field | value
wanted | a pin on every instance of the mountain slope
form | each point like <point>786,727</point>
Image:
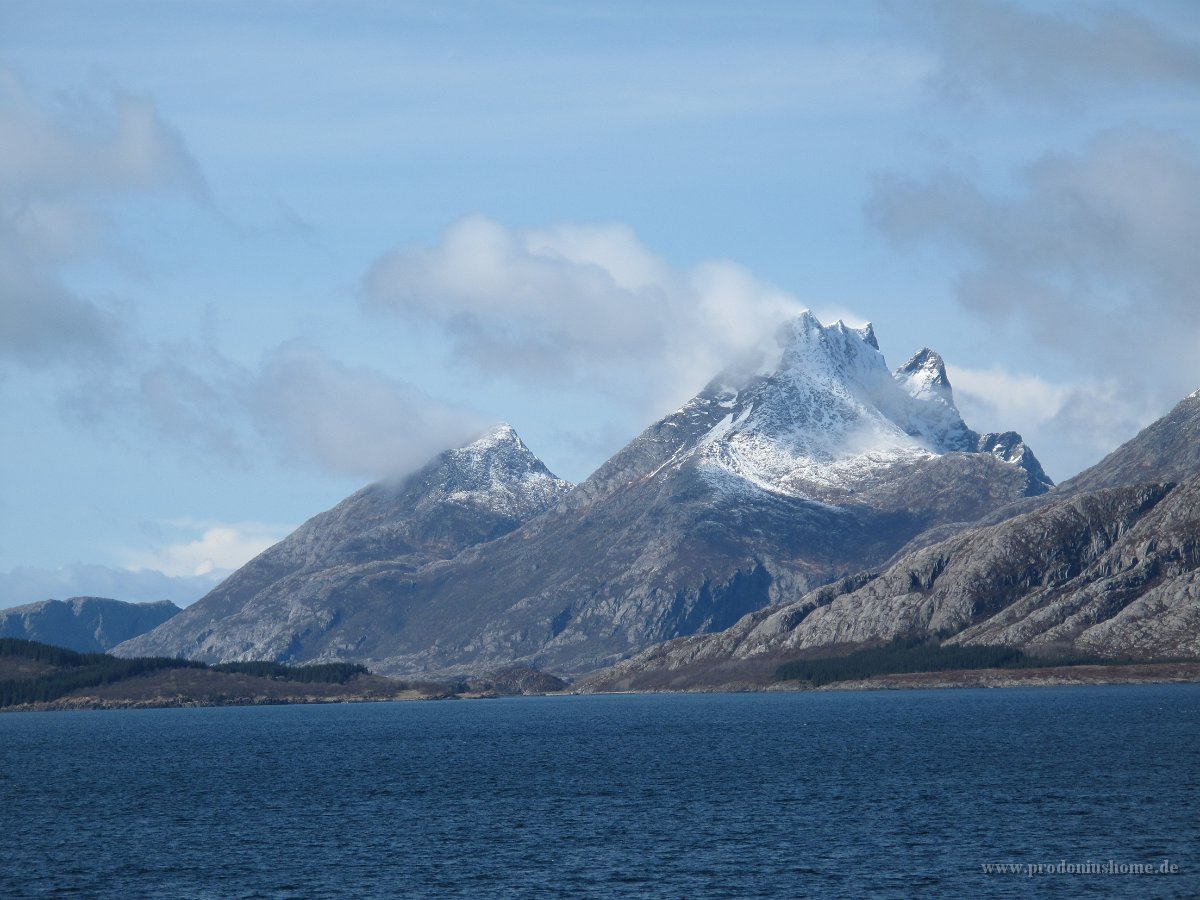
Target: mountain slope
<point>777,477</point>
<point>268,607</point>
<point>787,470</point>
<point>1111,570</point>
<point>85,624</point>
<point>1166,450</point>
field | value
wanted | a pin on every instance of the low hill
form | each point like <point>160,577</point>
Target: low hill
<point>85,624</point>
<point>41,676</point>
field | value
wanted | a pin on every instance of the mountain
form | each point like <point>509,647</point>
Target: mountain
<point>1166,450</point>
<point>268,608</point>
<point>789,469</point>
<point>1106,564</point>
<point>85,624</point>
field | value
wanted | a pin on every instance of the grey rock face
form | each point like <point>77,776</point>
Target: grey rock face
<point>1109,570</point>
<point>86,624</point>
<point>781,475</point>
<point>290,594</point>
<point>1166,450</point>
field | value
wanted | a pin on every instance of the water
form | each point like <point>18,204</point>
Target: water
<point>886,794</point>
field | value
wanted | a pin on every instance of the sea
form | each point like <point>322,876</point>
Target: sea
<point>1063,792</point>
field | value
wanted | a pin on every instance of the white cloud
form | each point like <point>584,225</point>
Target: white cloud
<point>86,143</point>
<point>1010,397</point>
<point>349,419</point>
<point>1069,425</point>
<point>41,321</point>
<point>27,584</point>
<point>218,549</point>
<point>58,164</point>
<point>587,302</point>
<point>311,409</point>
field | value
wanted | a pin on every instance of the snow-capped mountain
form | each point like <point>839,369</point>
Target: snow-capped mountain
<point>498,473</point>
<point>787,470</point>
<point>822,416</point>
<point>1108,563</point>
<point>464,496</point>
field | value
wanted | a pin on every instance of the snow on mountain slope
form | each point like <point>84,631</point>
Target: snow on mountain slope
<point>821,415</point>
<point>788,470</point>
<point>498,472</point>
<point>462,497</point>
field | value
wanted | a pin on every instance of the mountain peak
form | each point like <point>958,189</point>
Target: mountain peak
<point>924,378</point>
<point>497,470</point>
<point>830,353</point>
<point>867,333</point>
<point>805,328</point>
<point>499,435</point>
<point>819,415</point>
<point>928,366</point>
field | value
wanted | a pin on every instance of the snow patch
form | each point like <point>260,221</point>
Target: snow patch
<point>500,473</point>
<point>821,410</point>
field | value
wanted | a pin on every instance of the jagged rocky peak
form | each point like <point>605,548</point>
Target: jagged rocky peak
<point>925,376</point>
<point>822,410</point>
<point>497,470</point>
<point>806,347</point>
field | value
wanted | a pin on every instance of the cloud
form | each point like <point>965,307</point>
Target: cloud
<point>311,409</point>
<point>26,584</point>
<point>58,167</point>
<point>219,548</point>
<point>188,395</point>
<point>41,321</point>
<point>85,143</point>
<point>1092,257</point>
<point>60,164</point>
<point>1005,49</point>
<point>350,419</point>
<point>1069,425</point>
<point>577,301</point>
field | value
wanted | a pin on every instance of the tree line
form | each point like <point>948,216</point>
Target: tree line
<point>920,655</point>
<point>74,671</point>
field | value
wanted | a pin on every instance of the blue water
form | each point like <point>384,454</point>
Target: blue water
<point>885,794</point>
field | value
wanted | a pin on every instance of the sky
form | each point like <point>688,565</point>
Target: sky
<point>254,256</point>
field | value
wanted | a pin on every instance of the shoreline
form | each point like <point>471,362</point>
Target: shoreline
<point>950,679</point>
<point>1063,676</point>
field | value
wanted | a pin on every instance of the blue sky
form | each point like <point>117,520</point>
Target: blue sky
<point>254,256</point>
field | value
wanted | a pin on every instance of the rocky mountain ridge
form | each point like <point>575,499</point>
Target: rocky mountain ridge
<point>463,497</point>
<point>808,461</point>
<point>1107,564</point>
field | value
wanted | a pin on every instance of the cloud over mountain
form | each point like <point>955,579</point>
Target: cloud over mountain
<point>574,300</point>
<point>1090,255</point>
<point>350,419</point>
